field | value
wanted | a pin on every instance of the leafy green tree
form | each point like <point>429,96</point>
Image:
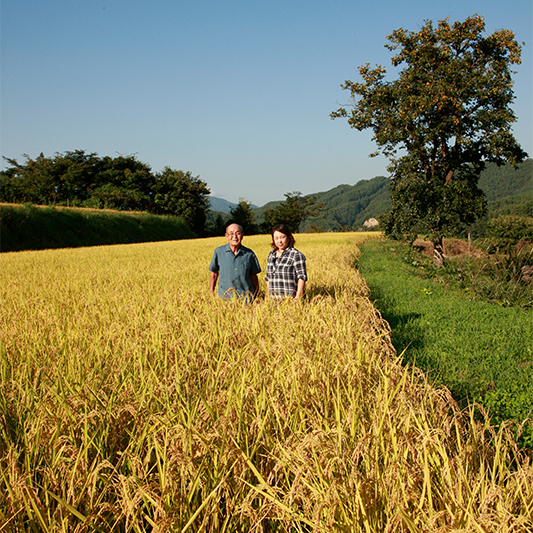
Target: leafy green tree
<point>243,214</point>
<point>181,194</point>
<point>294,211</point>
<point>215,224</point>
<point>75,174</point>
<point>123,183</point>
<point>36,181</point>
<point>448,113</point>
<point>78,178</point>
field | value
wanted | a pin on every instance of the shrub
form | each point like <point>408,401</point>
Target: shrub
<point>510,229</point>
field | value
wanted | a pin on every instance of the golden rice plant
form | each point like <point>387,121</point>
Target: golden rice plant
<point>131,400</point>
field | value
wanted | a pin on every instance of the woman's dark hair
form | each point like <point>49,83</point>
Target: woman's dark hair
<point>282,228</point>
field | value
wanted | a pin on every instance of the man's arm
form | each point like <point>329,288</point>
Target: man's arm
<point>213,282</point>
<point>255,283</point>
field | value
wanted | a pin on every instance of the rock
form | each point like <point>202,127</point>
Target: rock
<point>371,223</point>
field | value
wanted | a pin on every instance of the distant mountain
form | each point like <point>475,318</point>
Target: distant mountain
<point>500,182</point>
<point>508,191</point>
<point>223,206</point>
<point>348,205</point>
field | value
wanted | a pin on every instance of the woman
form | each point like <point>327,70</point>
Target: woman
<point>286,273</point>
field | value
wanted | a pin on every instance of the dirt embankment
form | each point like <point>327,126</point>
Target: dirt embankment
<point>452,248</point>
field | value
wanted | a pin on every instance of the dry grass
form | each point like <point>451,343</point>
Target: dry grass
<point>130,400</point>
<point>76,208</point>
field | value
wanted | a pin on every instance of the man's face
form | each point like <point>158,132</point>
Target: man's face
<point>234,235</point>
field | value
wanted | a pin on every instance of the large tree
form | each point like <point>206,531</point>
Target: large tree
<point>293,212</point>
<point>81,179</point>
<point>124,183</point>
<point>64,179</point>
<point>243,215</point>
<point>439,122</point>
<point>182,194</point>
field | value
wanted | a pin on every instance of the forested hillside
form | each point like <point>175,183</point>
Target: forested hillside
<point>500,182</point>
<point>508,191</point>
<point>124,183</point>
<point>349,206</point>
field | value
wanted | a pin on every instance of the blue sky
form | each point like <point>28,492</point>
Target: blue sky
<point>236,92</point>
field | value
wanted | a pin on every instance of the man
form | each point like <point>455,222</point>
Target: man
<point>235,267</point>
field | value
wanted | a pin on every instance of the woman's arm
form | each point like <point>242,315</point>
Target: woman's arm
<point>300,288</point>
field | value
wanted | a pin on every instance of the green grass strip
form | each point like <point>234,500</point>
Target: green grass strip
<point>38,228</point>
<point>481,351</point>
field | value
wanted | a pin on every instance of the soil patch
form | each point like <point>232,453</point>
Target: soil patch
<point>452,248</point>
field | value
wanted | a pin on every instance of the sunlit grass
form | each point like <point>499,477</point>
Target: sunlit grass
<point>131,400</point>
<point>480,350</point>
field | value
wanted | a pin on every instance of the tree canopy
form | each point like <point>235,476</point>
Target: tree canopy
<point>86,180</point>
<point>446,115</point>
<point>243,215</point>
<point>179,193</point>
<point>295,210</point>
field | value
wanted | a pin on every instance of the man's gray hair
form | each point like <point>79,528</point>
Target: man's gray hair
<point>235,224</point>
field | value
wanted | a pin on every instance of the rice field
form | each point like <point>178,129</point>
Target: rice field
<point>131,400</point>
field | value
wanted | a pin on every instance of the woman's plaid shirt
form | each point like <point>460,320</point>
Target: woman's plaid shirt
<point>282,273</point>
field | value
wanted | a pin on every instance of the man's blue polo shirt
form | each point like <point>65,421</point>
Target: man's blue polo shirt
<point>234,271</point>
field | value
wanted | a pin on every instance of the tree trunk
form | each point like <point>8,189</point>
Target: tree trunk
<point>439,257</point>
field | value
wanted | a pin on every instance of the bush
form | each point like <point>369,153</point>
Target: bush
<point>510,229</point>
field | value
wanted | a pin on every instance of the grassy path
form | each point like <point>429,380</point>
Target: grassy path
<point>477,349</point>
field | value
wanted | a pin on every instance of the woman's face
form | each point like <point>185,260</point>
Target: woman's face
<point>281,240</point>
